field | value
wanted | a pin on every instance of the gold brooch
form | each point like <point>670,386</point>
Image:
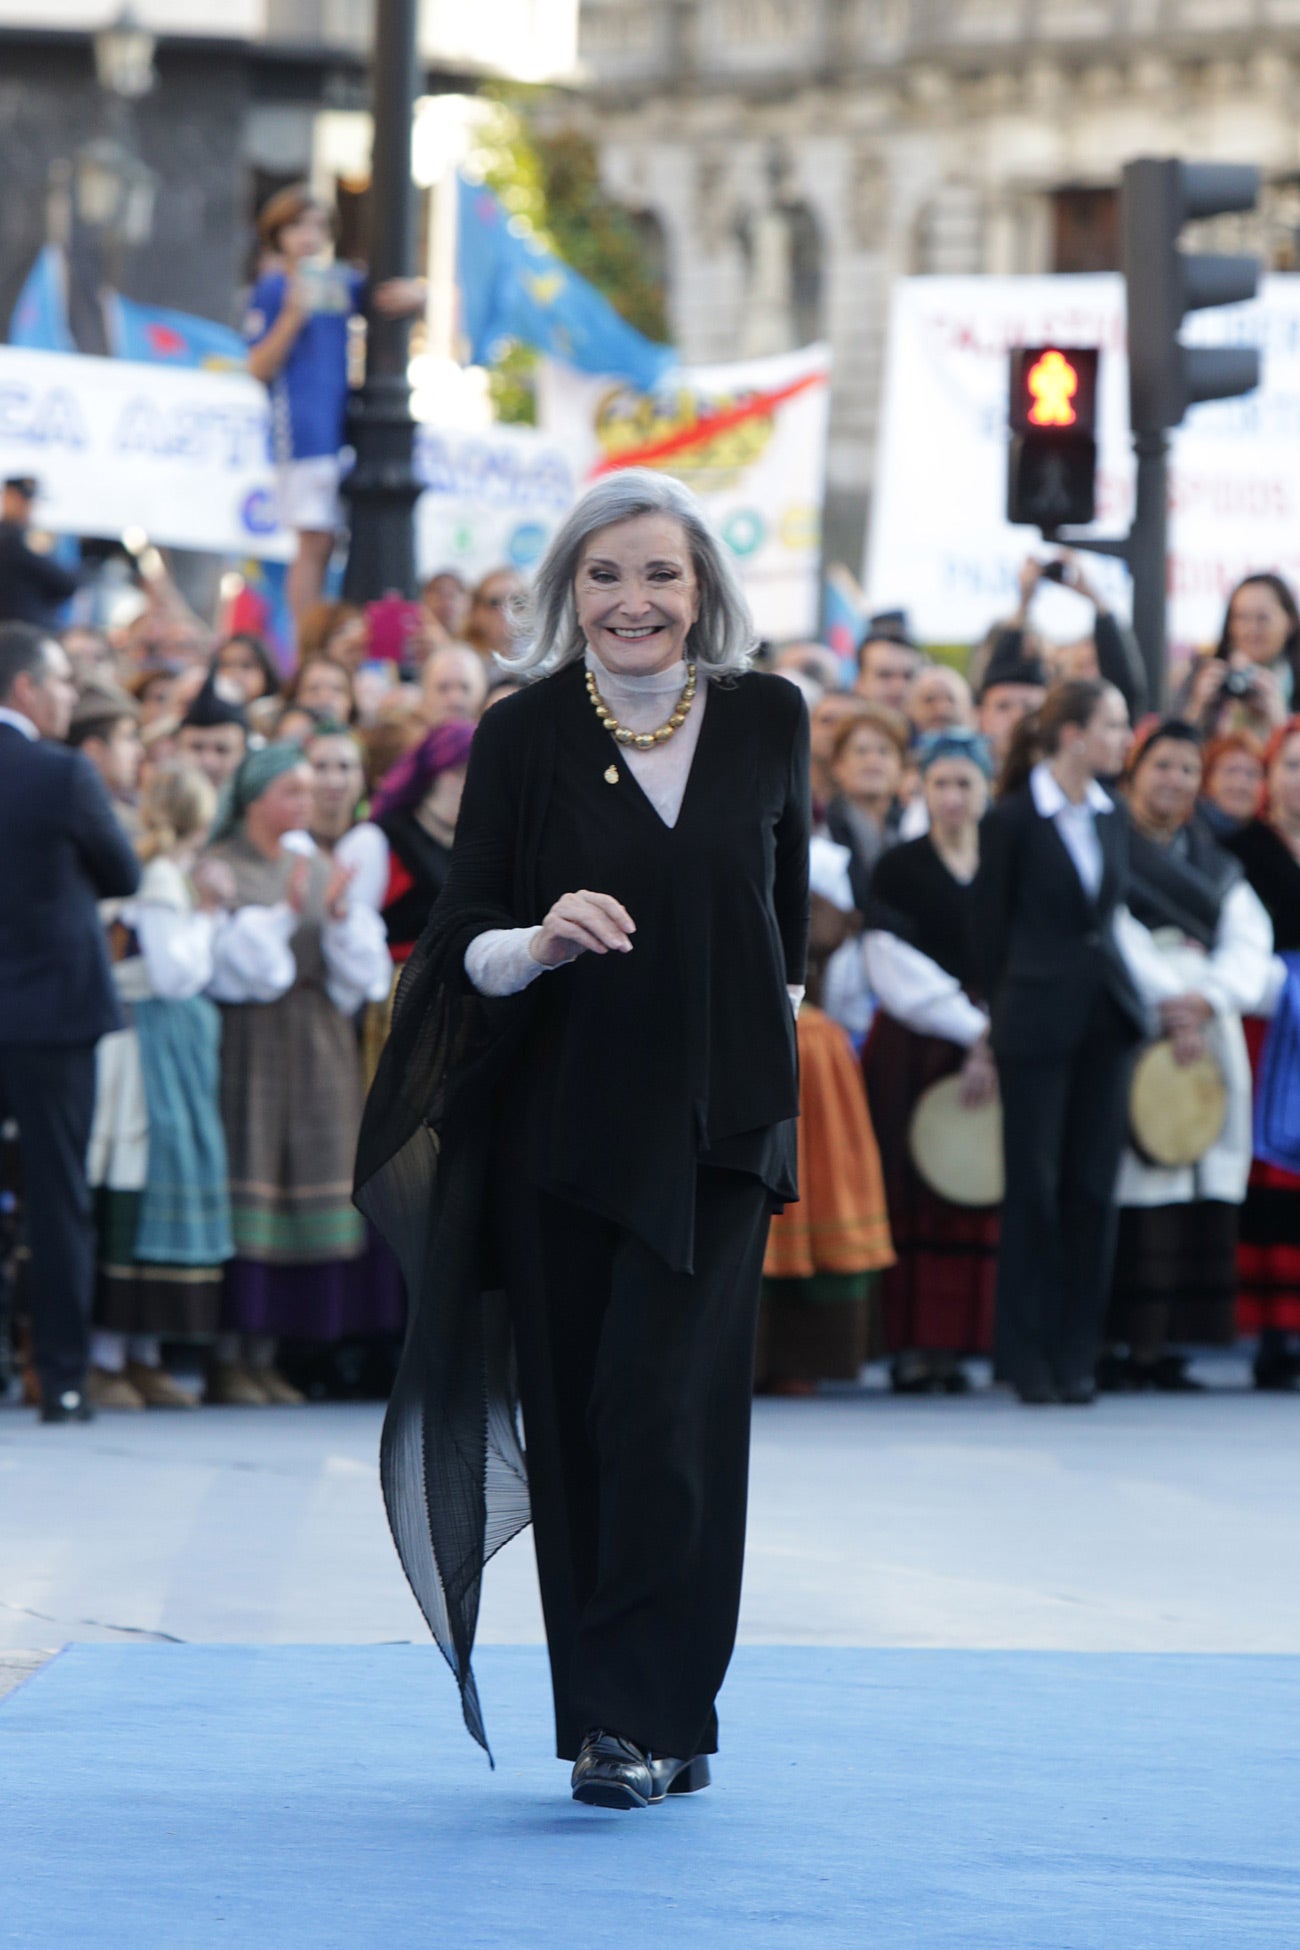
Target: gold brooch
<point>611,775</point>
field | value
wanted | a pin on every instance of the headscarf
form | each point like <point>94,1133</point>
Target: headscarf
<point>957,741</point>
<point>445,747</point>
<point>256,772</point>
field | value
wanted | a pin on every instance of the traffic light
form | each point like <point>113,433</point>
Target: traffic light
<point>1164,283</point>
<point>1052,467</point>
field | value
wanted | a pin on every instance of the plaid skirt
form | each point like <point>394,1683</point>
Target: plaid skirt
<point>291,1105</point>
<point>1268,1249</point>
<point>939,1296</point>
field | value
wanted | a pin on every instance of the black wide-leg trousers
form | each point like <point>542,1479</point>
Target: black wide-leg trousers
<point>636,1383</point>
<point>1064,1120</point>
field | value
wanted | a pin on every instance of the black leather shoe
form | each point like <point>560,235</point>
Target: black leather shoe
<point>1035,1394</point>
<point>70,1406</point>
<point>677,1776</point>
<point>611,1772</point>
<point>1078,1394</point>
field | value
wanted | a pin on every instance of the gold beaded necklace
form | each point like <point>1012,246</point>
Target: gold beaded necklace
<point>644,741</point>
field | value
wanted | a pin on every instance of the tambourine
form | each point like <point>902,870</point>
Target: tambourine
<point>1176,1111</point>
<point>957,1150</point>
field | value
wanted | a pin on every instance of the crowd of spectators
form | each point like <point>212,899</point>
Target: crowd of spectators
<point>290,833</point>
<point>285,837</point>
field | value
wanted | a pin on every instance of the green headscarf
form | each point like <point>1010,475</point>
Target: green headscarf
<point>256,772</point>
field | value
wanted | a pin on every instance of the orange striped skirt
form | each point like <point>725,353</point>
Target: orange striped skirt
<point>841,1223</point>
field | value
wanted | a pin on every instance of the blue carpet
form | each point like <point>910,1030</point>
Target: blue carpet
<point>173,1798</point>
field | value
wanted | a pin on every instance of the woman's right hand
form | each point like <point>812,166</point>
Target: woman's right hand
<point>1207,682</point>
<point>295,887</point>
<point>979,1077</point>
<point>579,924</point>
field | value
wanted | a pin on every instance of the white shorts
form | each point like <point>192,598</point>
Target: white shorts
<point>307,493</point>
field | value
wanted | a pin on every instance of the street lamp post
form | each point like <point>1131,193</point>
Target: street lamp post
<point>382,489</point>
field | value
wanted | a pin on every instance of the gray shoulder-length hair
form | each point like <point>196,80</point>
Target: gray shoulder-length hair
<point>722,638</point>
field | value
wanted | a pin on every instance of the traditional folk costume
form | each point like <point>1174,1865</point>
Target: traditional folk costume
<point>157,1156</point>
<point>289,986</point>
<point>823,1253</point>
<point>1268,1254</point>
<point>418,860</point>
<point>938,1300</point>
<point>1175,1261</point>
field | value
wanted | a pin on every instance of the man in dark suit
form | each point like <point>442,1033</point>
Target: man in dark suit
<point>61,851</point>
<point>33,587</point>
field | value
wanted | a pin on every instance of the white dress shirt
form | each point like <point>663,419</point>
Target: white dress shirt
<point>19,723</point>
<point>1077,824</point>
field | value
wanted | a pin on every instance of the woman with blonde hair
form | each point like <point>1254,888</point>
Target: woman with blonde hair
<point>157,1156</point>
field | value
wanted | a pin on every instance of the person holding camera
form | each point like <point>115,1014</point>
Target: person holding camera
<point>1110,653</point>
<point>297,332</point>
<point>1249,682</point>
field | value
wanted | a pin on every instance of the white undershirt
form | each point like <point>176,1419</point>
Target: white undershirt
<point>1077,824</point>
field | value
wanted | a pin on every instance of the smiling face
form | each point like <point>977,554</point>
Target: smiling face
<point>637,594</point>
<point>1164,787</point>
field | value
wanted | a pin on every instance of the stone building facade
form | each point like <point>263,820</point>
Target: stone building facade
<point>791,158</point>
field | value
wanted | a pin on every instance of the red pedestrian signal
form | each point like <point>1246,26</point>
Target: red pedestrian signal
<point>1053,382</point>
<point>1052,463</point>
<point>1053,386</point>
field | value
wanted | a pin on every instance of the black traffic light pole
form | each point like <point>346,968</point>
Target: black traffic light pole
<point>382,489</point>
<point>1147,556</point>
<point>1164,283</point>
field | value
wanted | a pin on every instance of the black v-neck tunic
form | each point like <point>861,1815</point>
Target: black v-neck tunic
<point>643,1065</point>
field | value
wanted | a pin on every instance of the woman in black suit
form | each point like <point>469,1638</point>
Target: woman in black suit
<point>1065,1019</point>
<point>583,1120</point>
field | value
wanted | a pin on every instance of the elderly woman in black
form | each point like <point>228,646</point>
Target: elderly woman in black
<point>585,1116</point>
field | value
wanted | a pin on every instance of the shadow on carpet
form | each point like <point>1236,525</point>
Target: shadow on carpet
<point>281,1798</point>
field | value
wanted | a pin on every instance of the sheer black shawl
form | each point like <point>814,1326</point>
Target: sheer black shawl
<point>451,1458</point>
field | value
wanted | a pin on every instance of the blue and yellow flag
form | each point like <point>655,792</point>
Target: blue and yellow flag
<point>513,288</point>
